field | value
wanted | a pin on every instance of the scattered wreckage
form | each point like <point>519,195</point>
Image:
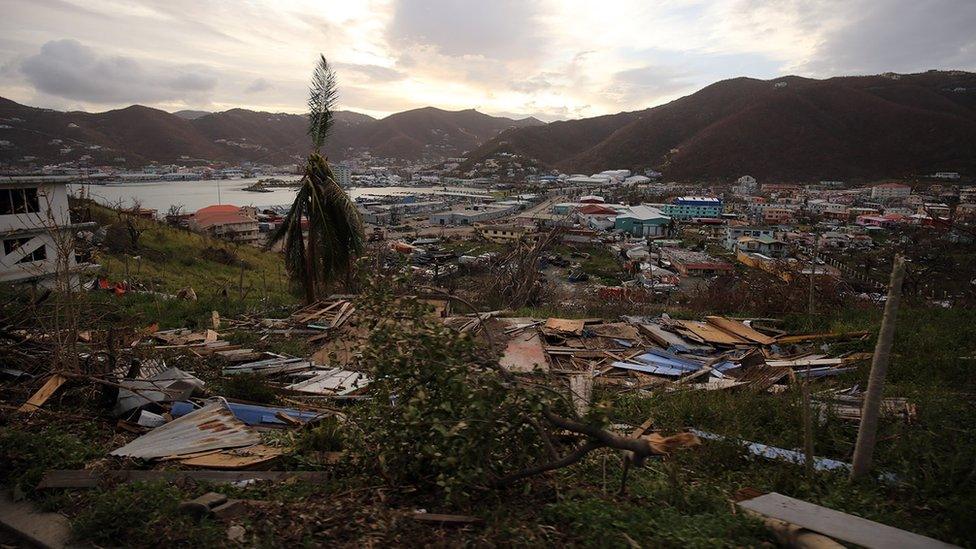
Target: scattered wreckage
<point>178,421</point>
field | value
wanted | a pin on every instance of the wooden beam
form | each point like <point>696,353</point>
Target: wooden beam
<point>90,479</point>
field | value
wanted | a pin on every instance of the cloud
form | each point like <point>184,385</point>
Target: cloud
<point>370,73</point>
<point>643,85</point>
<point>899,36</point>
<point>549,58</point>
<point>68,69</point>
<point>259,85</point>
<point>498,29</point>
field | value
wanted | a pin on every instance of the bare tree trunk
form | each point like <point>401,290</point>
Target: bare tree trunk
<point>867,432</point>
<point>807,419</point>
<point>309,270</point>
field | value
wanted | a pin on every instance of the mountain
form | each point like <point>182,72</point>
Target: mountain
<point>789,128</point>
<point>142,134</point>
<point>138,134</point>
<point>433,132</point>
<point>191,115</point>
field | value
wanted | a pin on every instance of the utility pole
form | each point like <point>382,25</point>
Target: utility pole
<point>813,271</point>
<point>867,432</point>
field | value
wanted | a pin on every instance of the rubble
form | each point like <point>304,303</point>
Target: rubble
<point>716,353</point>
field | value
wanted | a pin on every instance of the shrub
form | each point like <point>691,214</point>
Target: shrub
<point>439,417</point>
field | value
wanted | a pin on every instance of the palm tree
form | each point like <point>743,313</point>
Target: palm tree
<point>335,230</point>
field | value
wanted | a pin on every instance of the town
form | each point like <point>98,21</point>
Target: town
<point>658,237</point>
<point>452,274</point>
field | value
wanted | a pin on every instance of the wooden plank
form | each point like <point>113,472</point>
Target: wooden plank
<point>806,362</point>
<point>52,384</point>
<point>739,329</point>
<point>836,524</point>
<point>238,458</point>
<point>82,478</point>
<point>833,336</point>
<point>711,334</point>
<point>567,325</point>
<point>436,518</point>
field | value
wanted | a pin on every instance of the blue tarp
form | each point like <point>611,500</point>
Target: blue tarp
<point>663,358</point>
<point>251,414</point>
<point>821,372</point>
<point>791,456</point>
<point>651,369</point>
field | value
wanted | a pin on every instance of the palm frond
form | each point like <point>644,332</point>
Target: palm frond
<point>322,97</point>
<point>335,230</point>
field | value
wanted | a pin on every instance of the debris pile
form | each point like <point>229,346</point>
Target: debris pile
<point>716,353</point>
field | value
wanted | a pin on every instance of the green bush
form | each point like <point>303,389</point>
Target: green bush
<point>438,419</point>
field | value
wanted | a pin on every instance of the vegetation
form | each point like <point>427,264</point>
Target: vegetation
<point>140,515</point>
<point>437,418</point>
<point>225,277</point>
<point>443,427</point>
<point>678,500</point>
<point>335,230</point>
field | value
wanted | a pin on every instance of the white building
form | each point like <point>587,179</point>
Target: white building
<point>471,214</point>
<point>343,175</point>
<point>745,185</point>
<point>887,191</point>
<point>36,229</point>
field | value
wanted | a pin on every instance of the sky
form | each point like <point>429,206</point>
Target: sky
<point>553,59</point>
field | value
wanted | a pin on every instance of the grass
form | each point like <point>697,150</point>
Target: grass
<point>25,454</point>
<point>170,259</point>
<point>601,263</point>
<point>141,515</point>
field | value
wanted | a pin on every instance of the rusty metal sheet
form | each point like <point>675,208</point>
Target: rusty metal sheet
<point>739,329</point>
<point>212,427</point>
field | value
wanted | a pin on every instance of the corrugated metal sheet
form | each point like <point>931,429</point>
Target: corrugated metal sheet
<point>163,386</point>
<point>280,365</point>
<point>651,369</point>
<point>253,414</point>
<point>336,381</point>
<point>212,427</point>
<point>664,358</point>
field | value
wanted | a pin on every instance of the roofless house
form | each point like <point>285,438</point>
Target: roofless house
<point>36,232</point>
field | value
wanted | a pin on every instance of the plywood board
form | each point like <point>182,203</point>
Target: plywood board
<point>711,334</point>
<point>739,329</point>
<point>238,458</point>
<point>567,325</point>
<point>836,524</point>
<point>524,353</point>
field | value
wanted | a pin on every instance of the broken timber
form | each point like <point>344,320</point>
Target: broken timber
<point>83,478</point>
<point>836,524</point>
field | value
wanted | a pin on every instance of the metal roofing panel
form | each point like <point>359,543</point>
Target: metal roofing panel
<point>212,427</point>
<point>337,381</point>
<point>664,358</point>
<point>651,369</point>
<point>253,414</point>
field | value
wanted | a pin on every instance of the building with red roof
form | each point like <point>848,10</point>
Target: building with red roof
<point>227,222</point>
